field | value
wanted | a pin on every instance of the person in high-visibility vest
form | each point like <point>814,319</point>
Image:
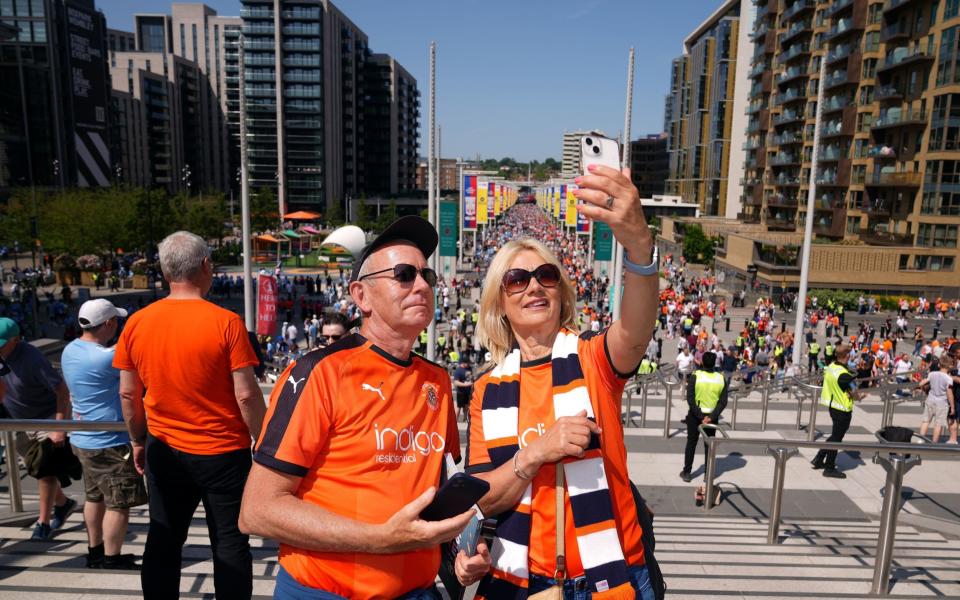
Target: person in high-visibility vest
<point>706,398</point>
<point>838,394</point>
<point>647,366</point>
<point>813,354</point>
<point>828,352</point>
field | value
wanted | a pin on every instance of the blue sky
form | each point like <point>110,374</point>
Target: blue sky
<point>512,76</point>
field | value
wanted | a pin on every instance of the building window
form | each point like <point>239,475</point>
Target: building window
<point>951,9</point>
<point>904,262</point>
<point>866,94</point>
<point>869,68</point>
<point>933,263</point>
<point>875,13</point>
<point>864,121</point>
<point>853,224</point>
<point>937,236</point>
<point>194,30</point>
<point>871,42</point>
<point>948,67</point>
<point>183,39</point>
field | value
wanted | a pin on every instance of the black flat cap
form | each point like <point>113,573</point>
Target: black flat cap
<point>416,230</point>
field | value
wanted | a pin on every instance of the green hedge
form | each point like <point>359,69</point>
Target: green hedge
<point>849,299</point>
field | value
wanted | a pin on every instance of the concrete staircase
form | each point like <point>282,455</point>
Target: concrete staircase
<point>702,557</point>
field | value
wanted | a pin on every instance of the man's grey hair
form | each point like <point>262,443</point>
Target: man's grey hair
<point>181,255</point>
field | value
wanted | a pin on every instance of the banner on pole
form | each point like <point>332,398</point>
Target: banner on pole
<point>469,202</point>
<point>448,229</point>
<point>490,201</point>
<point>602,242</point>
<point>555,198</point>
<point>571,212</point>
<point>266,305</point>
<point>497,197</point>
<point>583,224</point>
<point>481,203</point>
<point>563,204</point>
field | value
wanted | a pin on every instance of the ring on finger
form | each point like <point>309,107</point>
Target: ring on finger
<point>609,202</point>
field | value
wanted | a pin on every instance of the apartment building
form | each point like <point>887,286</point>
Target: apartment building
<point>705,111</point>
<point>570,157</point>
<point>649,164</point>
<point>888,181</point>
<point>54,104</point>
<point>391,109</point>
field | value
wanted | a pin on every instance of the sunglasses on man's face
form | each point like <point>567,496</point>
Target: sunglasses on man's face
<point>328,339</point>
<point>517,280</point>
<point>404,273</point>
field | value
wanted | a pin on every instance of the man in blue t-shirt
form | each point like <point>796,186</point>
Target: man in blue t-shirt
<point>111,482</point>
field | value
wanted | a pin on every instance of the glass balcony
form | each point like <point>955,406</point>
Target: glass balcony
<point>790,95</point>
<point>798,7</point>
<point>896,117</point>
<point>835,78</point>
<point>831,153</point>
<point>793,52</point>
<point>887,92</point>
<point>788,116</point>
<point>784,159</point>
<point>904,56</point>
<point>791,73</point>
<point>256,13</point>
<point>788,137</point>
<point>839,53</point>
<point>894,179</point>
<point>835,103</point>
<point>881,152</point>
<point>838,6</point>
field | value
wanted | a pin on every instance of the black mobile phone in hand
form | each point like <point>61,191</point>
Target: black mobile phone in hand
<point>455,497</point>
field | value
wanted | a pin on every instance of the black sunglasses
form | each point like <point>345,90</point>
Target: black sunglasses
<point>405,273</point>
<point>517,280</point>
<point>327,339</point>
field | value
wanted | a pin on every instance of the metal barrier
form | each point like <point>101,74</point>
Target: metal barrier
<point>899,460</point>
<point>9,427</point>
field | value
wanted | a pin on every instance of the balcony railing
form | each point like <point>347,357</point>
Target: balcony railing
<point>834,103</point>
<point>787,117</point>
<point>895,117</point>
<point>837,6</point>
<point>881,152</point>
<point>835,78</point>
<point>885,238</point>
<point>785,158</point>
<point>789,137</point>
<point>896,179</point>
<point>792,73</point>
<point>839,28</point>
<point>796,29</point>
<point>831,153</point>
<point>887,92</point>
<point>794,51</point>
<point>796,8</point>
<point>904,56</point>
<point>838,53</point>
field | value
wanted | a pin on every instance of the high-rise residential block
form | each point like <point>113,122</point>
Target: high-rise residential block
<point>54,97</point>
<point>570,157</point>
<point>391,114</point>
<point>705,107</point>
<point>886,204</point>
<point>312,123</point>
<point>649,164</point>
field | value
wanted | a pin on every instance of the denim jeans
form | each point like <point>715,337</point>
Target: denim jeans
<point>576,589</point>
<point>288,588</point>
<point>178,482</point>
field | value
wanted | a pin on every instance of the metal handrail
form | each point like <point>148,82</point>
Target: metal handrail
<point>10,426</point>
<point>901,458</point>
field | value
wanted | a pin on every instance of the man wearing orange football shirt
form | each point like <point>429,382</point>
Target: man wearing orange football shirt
<point>354,442</point>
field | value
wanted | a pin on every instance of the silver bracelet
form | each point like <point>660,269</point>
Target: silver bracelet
<point>516,468</point>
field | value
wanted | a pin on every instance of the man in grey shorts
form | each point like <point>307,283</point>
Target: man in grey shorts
<point>110,480</point>
<point>940,401</point>
<point>34,390</point>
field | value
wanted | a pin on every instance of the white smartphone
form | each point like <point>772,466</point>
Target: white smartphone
<point>598,150</point>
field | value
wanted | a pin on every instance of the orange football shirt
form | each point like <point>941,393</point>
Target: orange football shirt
<point>367,434</point>
<point>185,352</point>
<point>605,387</point>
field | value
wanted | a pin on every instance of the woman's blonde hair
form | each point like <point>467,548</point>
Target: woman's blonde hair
<point>494,331</point>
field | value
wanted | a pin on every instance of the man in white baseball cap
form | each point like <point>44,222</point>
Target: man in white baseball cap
<point>110,480</point>
<point>97,312</point>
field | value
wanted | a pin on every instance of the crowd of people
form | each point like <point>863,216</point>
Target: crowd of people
<point>360,430</point>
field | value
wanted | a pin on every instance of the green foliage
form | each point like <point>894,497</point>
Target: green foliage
<point>387,216</point>
<point>206,217</point>
<point>364,219</point>
<point>697,247</point>
<point>334,216</point>
<point>264,210</point>
<point>849,298</point>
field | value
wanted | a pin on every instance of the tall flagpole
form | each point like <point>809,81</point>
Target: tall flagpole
<point>808,224</point>
<point>249,314</point>
<point>615,291</point>
<point>431,194</point>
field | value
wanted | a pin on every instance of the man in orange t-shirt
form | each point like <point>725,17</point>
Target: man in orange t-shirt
<point>192,430</point>
<point>354,442</point>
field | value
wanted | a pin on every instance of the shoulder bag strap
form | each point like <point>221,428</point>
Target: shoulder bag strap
<point>561,572</point>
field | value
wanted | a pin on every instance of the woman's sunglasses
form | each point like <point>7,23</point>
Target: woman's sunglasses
<point>517,280</point>
<point>405,273</point>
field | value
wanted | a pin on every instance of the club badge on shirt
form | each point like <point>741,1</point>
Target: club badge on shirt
<point>430,394</point>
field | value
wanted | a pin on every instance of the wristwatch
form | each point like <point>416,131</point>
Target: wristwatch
<point>651,269</point>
